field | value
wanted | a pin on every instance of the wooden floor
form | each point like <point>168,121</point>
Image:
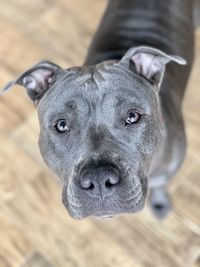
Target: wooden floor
<point>35,229</point>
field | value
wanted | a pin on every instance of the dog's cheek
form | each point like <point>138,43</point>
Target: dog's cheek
<point>47,150</point>
<point>151,138</point>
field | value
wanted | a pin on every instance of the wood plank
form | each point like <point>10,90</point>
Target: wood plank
<point>14,247</point>
<point>16,169</point>
<point>26,136</point>
<point>153,243</point>
<point>36,260</point>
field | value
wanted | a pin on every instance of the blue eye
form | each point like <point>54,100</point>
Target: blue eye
<point>61,126</point>
<point>132,117</point>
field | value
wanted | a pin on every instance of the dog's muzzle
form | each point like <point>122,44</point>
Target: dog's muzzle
<point>103,190</point>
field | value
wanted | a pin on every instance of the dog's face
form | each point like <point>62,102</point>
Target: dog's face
<point>100,128</point>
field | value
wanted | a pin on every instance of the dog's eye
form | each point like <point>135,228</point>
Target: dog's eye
<point>61,126</point>
<point>132,117</point>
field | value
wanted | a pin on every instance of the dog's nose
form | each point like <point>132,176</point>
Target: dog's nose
<point>99,179</point>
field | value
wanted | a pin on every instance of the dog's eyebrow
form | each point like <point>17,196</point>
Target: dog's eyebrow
<point>69,106</point>
<point>129,94</point>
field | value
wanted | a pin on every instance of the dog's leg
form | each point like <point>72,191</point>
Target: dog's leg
<point>166,165</point>
<point>159,201</point>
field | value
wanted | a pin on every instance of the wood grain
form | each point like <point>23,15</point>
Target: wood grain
<point>35,229</point>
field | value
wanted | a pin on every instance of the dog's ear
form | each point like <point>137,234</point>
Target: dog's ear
<point>37,80</point>
<point>149,62</point>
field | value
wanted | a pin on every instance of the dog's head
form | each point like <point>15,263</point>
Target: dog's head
<point>100,128</point>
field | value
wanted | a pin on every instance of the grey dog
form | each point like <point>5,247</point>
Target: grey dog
<point>113,127</point>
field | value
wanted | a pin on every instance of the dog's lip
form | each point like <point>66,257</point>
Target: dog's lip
<point>107,213</point>
<point>102,214</point>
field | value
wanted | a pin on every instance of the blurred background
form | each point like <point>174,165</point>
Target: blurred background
<point>35,229</point>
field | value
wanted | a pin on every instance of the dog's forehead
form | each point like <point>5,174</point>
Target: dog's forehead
<point>106,77</point>
<point>96,82</point>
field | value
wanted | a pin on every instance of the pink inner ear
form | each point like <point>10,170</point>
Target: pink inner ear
<point>38,80</point>
<point>147,65</point>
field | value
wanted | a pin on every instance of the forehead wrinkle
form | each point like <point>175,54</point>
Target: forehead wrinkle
<point>91,84</point>
<point>95,78</point>
<point>95,94</point>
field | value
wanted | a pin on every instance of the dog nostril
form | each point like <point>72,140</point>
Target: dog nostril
<point>108,183</point>
<point>87,184</point>
<point>112,181</point>
<point>91,186</point>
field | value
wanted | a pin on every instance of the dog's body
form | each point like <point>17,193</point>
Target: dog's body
<point>111,117</point>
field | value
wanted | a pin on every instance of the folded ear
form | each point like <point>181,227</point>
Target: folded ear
<point>36,80</point>
<point>150,63</point>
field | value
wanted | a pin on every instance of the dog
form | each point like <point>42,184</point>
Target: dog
<point>112,130</point>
